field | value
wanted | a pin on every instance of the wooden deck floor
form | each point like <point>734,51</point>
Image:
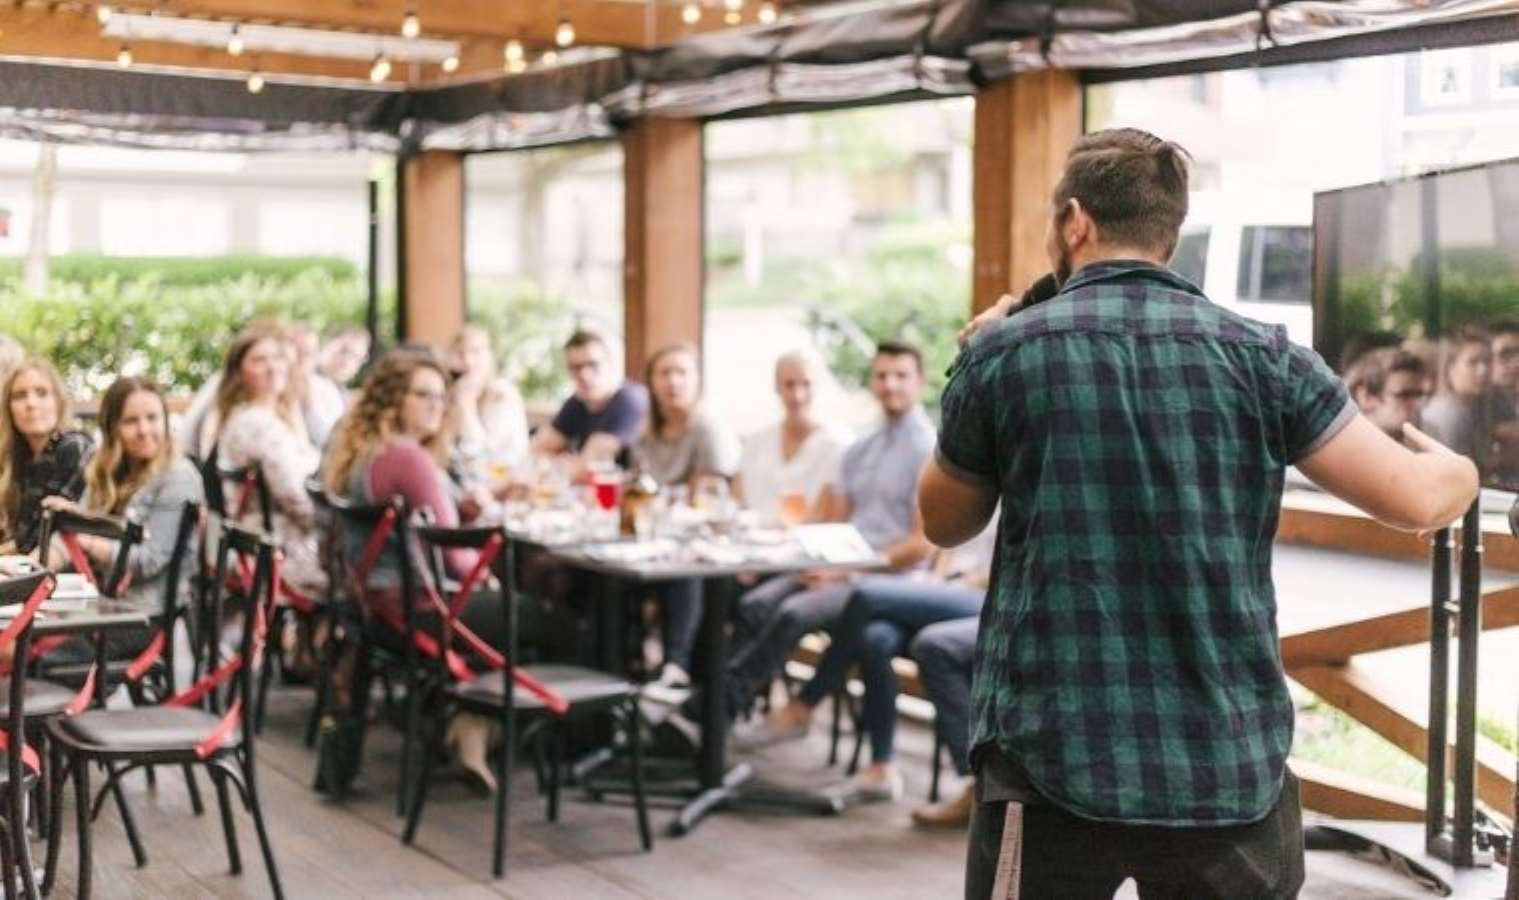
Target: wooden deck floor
<point>326,850</point>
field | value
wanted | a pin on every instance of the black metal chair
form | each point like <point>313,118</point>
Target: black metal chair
<point>20,597</point>
<point>551,694</point>
<point>210,723</point>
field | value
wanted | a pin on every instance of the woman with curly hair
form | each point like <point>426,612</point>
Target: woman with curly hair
<point>40,455</point>
<point>396,443</point>
<point>257,420</point>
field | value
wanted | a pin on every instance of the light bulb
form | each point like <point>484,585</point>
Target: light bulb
<point>733,18</point>
<point>411,26</point>
<point>564,35</point>
<point>690,13</point>
<point>513,50</point>
<point>235,43</point>
<point>381,69</point>
<point>124,58</point>
<point>733,5</point>
<point>255,83</point>
<point>103,13</point>
<point>766,13</point>
<point>451,63</point>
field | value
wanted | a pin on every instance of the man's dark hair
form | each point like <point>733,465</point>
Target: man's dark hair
<point>584,338</point>
<point>1132,184</point>
<point>1505,325</point>
<point>1358,345</point>
<point>901,348</point>
<point>1370,372</point>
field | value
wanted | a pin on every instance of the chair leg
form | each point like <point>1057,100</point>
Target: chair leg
<point>938,765</point>
<point>81,770</point>
<point>229,828</point>
<point>150,773</point>
<point>8,865</point>
<point>256,809</point>
<point>635,750</point>
<point>503,788</point>
<point>127,820</point>
<point>419,793</point>
<point>836,731</point>
<point>55,818</point>
<point>556,764</point>
<point>277,635</point>
<point>323,687</point>
<point>408,745</point>
<point>192,787</point>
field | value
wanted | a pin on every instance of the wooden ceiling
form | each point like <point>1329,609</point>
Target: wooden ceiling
<point>73,31</point>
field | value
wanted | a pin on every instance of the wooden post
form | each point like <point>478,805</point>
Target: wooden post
<point>662,260</point>
<point>1025,126</point>
<point>432,246</point>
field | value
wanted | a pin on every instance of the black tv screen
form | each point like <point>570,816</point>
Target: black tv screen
<point>1416,305</point>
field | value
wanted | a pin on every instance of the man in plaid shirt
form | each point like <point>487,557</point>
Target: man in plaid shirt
<point>1130,715</point>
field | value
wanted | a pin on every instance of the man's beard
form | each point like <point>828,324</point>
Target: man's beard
<point>1063,264</point>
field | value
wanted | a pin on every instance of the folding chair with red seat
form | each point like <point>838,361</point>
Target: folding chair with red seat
<point>20,598</point>
<point>551,694</point>
<point>208,724</point>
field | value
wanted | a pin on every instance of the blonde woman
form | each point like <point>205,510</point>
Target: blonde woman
<point>489,418</point>
<point>40,455</point>
<point>257,420</point>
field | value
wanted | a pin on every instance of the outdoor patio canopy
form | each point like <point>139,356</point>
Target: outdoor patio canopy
<point>640,72</point>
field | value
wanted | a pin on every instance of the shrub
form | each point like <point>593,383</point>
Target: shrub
<point>183,271</point>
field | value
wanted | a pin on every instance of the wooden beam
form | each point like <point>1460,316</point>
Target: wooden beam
<point>1347,796</point>
<point>1403,720</point>
<point>1024,127</point>
<point>611,23</point>
<point>72,36</point>
<point>433,239</point>
<point>1355,532</point>
<point>1337,644</point>
<point>662,259</point>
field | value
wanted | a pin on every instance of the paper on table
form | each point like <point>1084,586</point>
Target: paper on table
<point>835,543</point>
<point>72,586</point>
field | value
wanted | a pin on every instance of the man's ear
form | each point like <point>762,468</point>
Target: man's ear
<point>1078,225</point>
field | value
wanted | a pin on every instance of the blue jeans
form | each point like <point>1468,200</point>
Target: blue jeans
<point>883,614</point>
<point>680,602</point>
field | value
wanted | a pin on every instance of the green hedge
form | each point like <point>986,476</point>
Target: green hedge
<point>183,271</point>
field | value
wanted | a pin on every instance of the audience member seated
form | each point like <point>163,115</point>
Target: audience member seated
<point>322,401</point>
<point>257,420</point>
<point>886,616</point>
<point>40,455</point>
<point>1388,386</point>
<point>683,446</point>
<point>135,474</point>
<point>490,421</point>
<point>605,414</point>
<point>785,467</point>
<point>877,493</point>
<point>395,443</point>
<point>343,354</point>
<point>1463,414</point>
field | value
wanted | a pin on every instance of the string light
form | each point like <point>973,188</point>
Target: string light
<point>235,43</point>
<point>380,70</point>
<point>255,82</point>
<point>767,13</point>
<point>103,13</point>
<point>564,35</point>
<point>691,13</point>
<point>513,51</point>
<point>550,57</point>
<point>451,63</point>
<point>124,58</point>
<point>411,26</point>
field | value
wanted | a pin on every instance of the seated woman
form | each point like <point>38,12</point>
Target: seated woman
<point>683,446</point>
<point>395,443</point>
<point>490,420</point>
<point>786,467</point>
<point>885,616</point>
<point>257,420</point>
<point>138,475</point>
<point>40,455</point>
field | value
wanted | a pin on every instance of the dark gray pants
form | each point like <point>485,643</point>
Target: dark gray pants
<point>771,620</point>
<point>944,651</point>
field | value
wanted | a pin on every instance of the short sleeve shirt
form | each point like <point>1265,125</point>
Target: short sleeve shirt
<point>706,448</point>
<point>622,417</point>
<point>58,471</point>
<point>1137,436</point>
<point>879,476</point>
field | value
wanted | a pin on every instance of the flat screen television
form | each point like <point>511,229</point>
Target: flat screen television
<point>1416,305</point>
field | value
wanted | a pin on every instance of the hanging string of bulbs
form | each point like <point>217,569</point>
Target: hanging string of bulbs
<point>514,53</point>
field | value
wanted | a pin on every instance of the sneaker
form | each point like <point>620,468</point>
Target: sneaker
<point>760,733</point>
<point>954,813</point>
<point>673,687</point>
<point>672,675</point>
<point>860,790</point>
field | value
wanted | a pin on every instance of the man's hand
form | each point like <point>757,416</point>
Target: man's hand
<point>59,504</point>
<point>994,313</point>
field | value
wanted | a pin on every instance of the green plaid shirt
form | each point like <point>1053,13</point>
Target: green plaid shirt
<point>1137,435</point>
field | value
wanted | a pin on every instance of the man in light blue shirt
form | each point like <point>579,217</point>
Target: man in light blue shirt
<point>877,493</point>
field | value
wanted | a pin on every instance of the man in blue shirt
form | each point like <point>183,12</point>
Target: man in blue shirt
<point>604,415</point>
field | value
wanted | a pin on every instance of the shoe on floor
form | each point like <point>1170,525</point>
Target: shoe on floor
<point>952,813</point>
<point>760,733</point>
<point>859,790</point>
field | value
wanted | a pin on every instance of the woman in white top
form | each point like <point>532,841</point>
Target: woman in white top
<point>489,418</point>
<point>798,456</point>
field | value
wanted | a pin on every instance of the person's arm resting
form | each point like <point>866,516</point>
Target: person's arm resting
<point>1414,490</point>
